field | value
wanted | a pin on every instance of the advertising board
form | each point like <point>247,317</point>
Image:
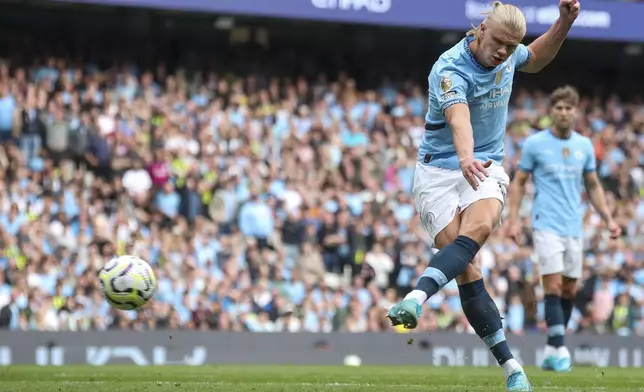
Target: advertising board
<point>195,348</point>
<point>605,20</point>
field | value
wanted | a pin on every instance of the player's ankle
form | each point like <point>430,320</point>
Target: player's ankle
<point>550,351</point>
<point>418,296</point>
<point>510,366</point>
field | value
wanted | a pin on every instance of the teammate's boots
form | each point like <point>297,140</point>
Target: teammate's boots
<point>549,363</point>
<point>406,313</point>
<point>562,364</point>
<point>518,382</point>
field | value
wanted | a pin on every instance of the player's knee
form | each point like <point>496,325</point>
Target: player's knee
<point>569,290</point>
<point>471,274</point>
<point>552,284</point>
<point>478,230</point>
<point>569,293</point>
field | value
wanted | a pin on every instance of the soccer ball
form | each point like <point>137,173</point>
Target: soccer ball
<point>127,282</point>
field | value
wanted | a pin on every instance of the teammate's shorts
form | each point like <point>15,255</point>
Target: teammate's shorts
<point>439,193</point>
<point>558,255</point>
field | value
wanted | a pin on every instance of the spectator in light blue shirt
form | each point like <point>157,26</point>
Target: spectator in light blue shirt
<point>614,157</point>
<point>168,201</point>
<point>256,219</point>
<point>515,315</point>
<point>354,137</point>
<point>7,107</point>
<point>406,177</point>
<point>14,221</point>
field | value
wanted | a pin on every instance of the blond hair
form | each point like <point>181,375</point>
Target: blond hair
<point>508,15</point>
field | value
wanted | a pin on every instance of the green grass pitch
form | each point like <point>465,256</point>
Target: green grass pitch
<point>304,379</point>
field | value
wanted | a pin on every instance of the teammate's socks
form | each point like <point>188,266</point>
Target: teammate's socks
<point>555,320</point>
<point>484,317</point>
<point>551,351</point>
<point>566,306</point>
<point>446,265</point>
<point>563,352</point>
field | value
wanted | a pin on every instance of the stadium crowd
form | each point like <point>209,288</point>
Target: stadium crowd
<point>267,204</point>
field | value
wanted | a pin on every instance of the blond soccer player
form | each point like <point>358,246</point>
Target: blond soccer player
<point>460,184</point>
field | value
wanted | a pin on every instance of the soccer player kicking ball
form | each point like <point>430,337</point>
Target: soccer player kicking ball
<point>459,184</point>
<point>560,160</point>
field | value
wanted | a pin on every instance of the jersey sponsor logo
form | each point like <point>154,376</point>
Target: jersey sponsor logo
<point>499,98</point>
<point>563,171</point>
<point>494,104</point>
<point>446,83</point>
<point>500,92</point>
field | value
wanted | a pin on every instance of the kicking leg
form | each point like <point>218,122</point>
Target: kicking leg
<point>451,261</point>
<point>478,306</point>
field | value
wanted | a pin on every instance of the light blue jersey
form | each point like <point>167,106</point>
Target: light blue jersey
<point>558,167</point>
<point>458,78</point>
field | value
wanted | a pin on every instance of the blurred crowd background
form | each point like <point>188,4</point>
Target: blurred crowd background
<point>270,188</point>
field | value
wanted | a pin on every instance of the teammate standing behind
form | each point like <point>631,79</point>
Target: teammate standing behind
<point>459,183</point>
<point>560,161</point>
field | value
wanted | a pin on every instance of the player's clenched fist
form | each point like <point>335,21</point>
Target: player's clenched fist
<point>474,171</point>
<point>569,10</point>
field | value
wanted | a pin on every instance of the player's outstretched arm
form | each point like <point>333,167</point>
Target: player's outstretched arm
<point>598,201</point>
<point>458,118</point>
<point>545,48</point>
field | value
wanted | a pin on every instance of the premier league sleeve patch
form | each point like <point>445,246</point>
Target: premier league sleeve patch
<point>446,84</point>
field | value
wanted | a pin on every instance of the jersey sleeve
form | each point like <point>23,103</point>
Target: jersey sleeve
<point>591,163</point>
<point>521,56</point>
<point>448,87</point>
<point>527,161</point>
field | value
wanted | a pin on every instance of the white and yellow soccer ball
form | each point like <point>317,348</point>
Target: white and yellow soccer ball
<point>127,282</point>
